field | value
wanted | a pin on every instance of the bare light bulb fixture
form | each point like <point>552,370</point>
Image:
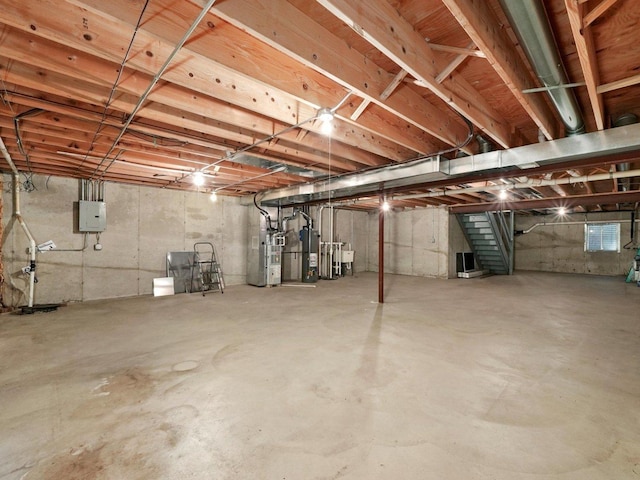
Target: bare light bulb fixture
<point>213,197</point>
<point>325,115</point>
<point>386,207</point>
<point>198,179</point>
<point>503,195</point>
<point>562,211</point>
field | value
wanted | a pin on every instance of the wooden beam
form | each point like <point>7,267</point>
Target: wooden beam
<point>625,82</point>
<point>597,11</point>
<point>383,96</point>
<point>587,54</point>
<point>361,108</point>
<point>216,47</point>
<point>467,52</point>
<point>193,71</point>
<point>380,24</point>
<point>484,28</point>
<point>556,202</point>
<point>397,80</point>
<point>285,28</point>
<point>455,63</point>
<point>167,104</point>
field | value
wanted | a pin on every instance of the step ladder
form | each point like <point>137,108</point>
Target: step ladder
<point>206,271</point>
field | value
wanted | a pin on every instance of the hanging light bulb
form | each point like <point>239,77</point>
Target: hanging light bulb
<point>325,115</point>
<point>503,195</point>
<point>213,197</point>
<point>198,179</point>
<point>386,207</point>
<point>562,211</point>
<point>326,127</point>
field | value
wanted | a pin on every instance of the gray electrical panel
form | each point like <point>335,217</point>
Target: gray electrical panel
<point>92,216</point>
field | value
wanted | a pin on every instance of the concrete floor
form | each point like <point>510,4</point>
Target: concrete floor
<point>530,376</point>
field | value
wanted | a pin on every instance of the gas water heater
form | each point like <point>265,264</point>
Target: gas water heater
<point>309,239</point>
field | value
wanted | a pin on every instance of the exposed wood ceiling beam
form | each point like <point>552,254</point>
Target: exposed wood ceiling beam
<point>397,80</point>
<point>455,63</point>
<point>381,25</point>
<point>177,119</point>
<point>556,202</point>
<point>59,85</point>
<point>597,11</point>
<point>583,40</point>
<point>468,52</point>
<point>247,74</point>
<point>193,71</point>
<point>282,26</point>
<point>361,108</point>
<point>482,25</point>
<point>625,82</point>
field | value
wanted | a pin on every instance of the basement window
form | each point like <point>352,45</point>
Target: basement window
<point>602,237</point>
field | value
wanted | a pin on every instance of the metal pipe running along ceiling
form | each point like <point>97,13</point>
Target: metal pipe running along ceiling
<point>530,23</point>
<point>571,151</point>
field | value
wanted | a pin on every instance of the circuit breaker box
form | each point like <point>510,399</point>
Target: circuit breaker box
<point>92,216</point>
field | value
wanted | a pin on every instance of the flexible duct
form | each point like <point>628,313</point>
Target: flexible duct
<point>531,25</point>
<point>484,145</point>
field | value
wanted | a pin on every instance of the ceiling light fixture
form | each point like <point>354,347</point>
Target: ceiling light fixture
<point>325,115</point>
<point>326,127</point>
<point>562,211</point>
<point>198,179</point>
<point>386,207</point>
<point>503,195</point>
<point>213,197</point>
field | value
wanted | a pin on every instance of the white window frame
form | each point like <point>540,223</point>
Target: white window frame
<point>600,230</point>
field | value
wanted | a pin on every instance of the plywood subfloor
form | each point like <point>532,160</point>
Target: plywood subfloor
<point>530,376</point>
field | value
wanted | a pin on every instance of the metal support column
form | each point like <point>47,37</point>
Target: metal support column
<point>512,241</point>
<point>381,251</point>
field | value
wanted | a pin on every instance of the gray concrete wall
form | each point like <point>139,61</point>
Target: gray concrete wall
<point>559,245</point>
<point>142,225</point>
<point>457,243</point>
<point>416,242</point>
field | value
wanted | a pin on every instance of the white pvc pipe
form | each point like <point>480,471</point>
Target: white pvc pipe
<point>21,221</point>
<point>550,224</point>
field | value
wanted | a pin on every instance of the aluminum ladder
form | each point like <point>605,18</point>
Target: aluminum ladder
<point>206,272</point>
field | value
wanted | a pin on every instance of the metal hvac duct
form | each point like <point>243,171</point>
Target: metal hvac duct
<point>531,25</point>
<point>624,184</point>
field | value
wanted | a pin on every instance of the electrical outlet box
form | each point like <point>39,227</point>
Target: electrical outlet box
<point>92,216</point>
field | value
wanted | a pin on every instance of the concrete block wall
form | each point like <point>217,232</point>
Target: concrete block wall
<point>417,242</point>
<point>558,246</point>
<point>143,224</point>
